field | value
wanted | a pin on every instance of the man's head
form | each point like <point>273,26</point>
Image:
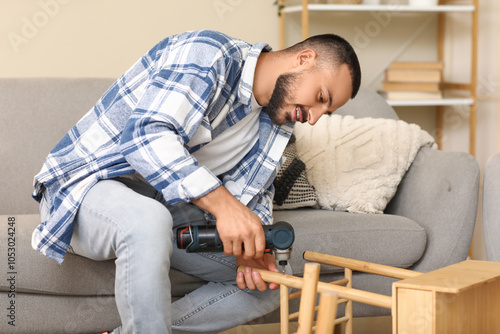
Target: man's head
<point>324,75</point>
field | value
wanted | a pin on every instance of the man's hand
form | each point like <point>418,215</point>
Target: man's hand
<point>252,279</point>
<point>237,225</point>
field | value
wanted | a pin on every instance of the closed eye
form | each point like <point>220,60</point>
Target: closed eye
<point>322,100</point>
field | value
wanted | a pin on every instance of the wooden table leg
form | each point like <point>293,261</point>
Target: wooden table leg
<point>326,313</point>
<point>284,309</point>
<point>308,298</point>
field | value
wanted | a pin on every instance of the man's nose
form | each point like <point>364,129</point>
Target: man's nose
<point>315,113</point>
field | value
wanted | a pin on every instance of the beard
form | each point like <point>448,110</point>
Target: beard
<point>281,97</point>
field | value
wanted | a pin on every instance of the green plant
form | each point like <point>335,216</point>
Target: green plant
<point>280,7</point>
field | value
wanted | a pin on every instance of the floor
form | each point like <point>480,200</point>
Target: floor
<point>374,325</point>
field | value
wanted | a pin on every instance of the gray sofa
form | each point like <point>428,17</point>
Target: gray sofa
<point>427,225</point>
<point>491,208</point>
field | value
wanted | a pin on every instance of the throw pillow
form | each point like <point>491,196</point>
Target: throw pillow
<point>292,190</point>
<point>354,164</point>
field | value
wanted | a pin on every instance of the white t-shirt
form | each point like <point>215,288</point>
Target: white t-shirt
<point>229,148</point>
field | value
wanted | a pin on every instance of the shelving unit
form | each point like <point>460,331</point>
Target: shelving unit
<point>441,10</point>
<point>365,8</point>
<point>447,101</point>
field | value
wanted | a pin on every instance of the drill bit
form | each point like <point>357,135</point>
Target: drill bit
<point>283,265</point>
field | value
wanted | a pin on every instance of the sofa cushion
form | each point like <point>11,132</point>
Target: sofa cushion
<point>380,238</point>
<point>385,239</point>
<point>75,276</point>
<point>50,314</point>
<point>356,164</point>
<point>367,103</point>
<point>292,189</point>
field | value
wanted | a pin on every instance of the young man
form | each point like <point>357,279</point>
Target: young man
<point>191,134</point>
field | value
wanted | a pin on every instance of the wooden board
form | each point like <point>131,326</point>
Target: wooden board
<point>463,298</point>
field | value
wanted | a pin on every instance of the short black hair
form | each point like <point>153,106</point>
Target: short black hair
<point>333,50</point>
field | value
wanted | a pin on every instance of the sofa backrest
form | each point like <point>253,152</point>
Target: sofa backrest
<point>367,103</point>
<point>35,113</point>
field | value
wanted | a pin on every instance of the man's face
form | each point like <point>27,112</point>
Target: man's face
<point>307,95</point>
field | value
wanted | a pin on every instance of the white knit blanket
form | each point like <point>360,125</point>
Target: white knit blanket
<point>356,165</point>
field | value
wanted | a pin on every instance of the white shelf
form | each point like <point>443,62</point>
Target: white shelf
<point>425,103</point>
<point>391,8</point>
<point>465,6</point>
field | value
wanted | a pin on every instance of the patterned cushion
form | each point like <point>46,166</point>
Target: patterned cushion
<point>291,185</point>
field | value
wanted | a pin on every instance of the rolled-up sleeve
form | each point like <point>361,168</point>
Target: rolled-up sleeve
<point>169,114</point>
<point>264,205</point>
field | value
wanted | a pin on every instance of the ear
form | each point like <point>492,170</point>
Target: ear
<point>305,58</point>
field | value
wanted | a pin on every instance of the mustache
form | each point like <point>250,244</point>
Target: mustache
<point>280,96</point>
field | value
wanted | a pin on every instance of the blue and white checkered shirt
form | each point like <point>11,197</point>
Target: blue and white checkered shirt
<point>151,120</point>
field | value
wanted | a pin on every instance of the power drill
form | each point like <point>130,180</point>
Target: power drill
<point>205,238</point>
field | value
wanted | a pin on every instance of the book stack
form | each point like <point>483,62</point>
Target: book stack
<point>413,81</point>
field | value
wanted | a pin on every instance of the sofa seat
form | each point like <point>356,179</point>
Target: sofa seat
<point>387,239</point>
<point>76,276</point>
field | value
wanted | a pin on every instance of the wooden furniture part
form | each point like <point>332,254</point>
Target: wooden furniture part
<point>351,265</point>
<point>463,298</point>
<point>344,294</point>
<point>445,7</point>
<point>309,285</point>
<point>327,306</point>
<point>308,300</point>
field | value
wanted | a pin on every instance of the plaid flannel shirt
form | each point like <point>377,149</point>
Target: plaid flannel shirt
<point>179,96</point>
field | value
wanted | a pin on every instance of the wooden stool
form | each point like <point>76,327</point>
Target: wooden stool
<point>463,298</point>
<point>309,284</point>
<point>327,307</point>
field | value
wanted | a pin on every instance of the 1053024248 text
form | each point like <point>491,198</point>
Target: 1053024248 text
<point>11,276</point>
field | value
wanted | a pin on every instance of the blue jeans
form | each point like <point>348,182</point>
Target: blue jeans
<point>129,221</point>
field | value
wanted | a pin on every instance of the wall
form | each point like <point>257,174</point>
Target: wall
<point>73,38</point>
<point>90,38</point>
<point>379,37</point>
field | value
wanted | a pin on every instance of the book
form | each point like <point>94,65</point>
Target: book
<point>412,75</point>
<point>411,95</point>
<point>419,86</point>
<point>413,81</point>
<point>417,65</point>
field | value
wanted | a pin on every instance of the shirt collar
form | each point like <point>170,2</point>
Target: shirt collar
<point>248,72</point>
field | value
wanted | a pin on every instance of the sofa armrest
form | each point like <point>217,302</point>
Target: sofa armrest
<point>440,192</point>
<point>491,207</point>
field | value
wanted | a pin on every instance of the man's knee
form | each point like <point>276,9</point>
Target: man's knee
<point>150,230</point>
<point>153,221</point>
